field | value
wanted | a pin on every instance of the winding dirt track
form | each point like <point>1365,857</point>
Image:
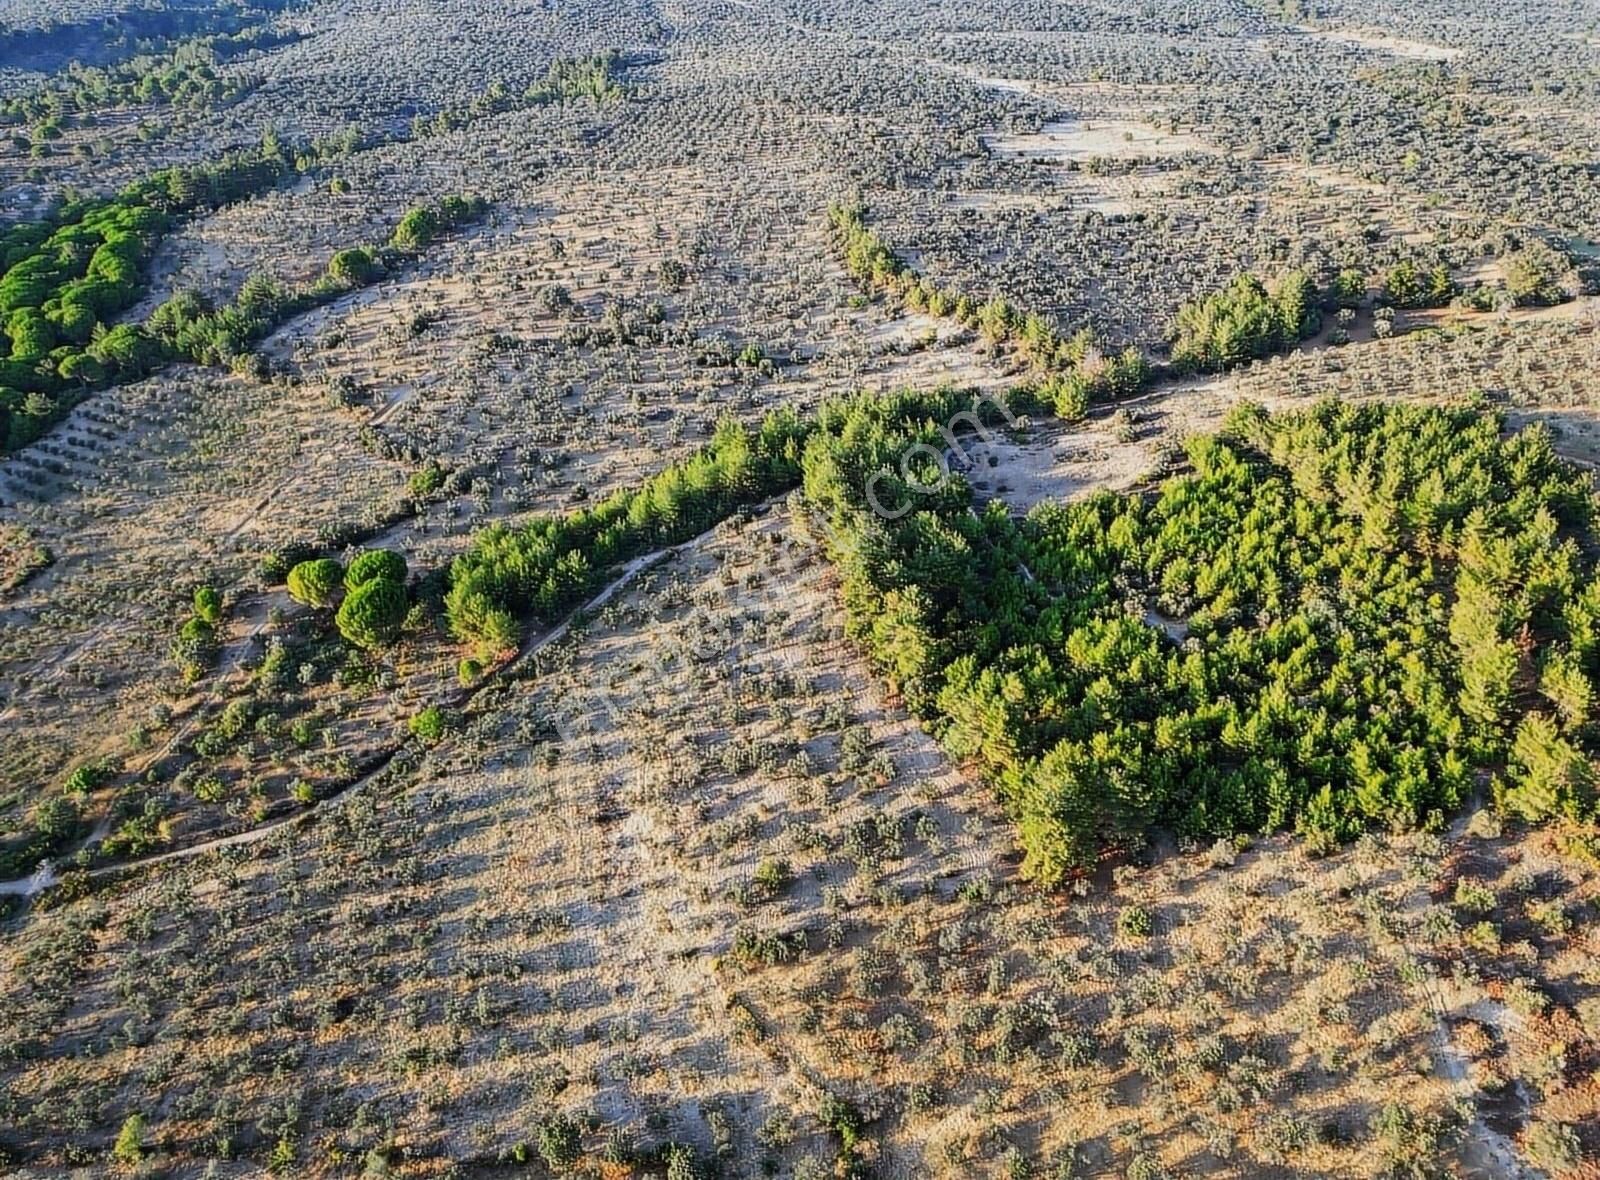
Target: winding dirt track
<point>46,875</point>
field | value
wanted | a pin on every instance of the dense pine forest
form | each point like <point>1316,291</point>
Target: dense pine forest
<point>1334,620</point>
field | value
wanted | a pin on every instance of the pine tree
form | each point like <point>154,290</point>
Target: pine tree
<point>129,1148</point>
<point>1551,777</point>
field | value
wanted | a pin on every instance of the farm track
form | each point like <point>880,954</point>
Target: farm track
<point>46,876</point>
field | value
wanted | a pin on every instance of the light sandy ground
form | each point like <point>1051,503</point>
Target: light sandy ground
<point>1110,122</point>
<point>1073,140</point>
<point>1057,463</point>
<point>1583,315</point>
<point>1325,177</point>
<point>1382,42</point>
<point>992,200</point>
<point>145,492</point>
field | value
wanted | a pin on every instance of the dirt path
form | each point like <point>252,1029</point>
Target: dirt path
<point>1485,1151</point>
<point>46,875</point>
